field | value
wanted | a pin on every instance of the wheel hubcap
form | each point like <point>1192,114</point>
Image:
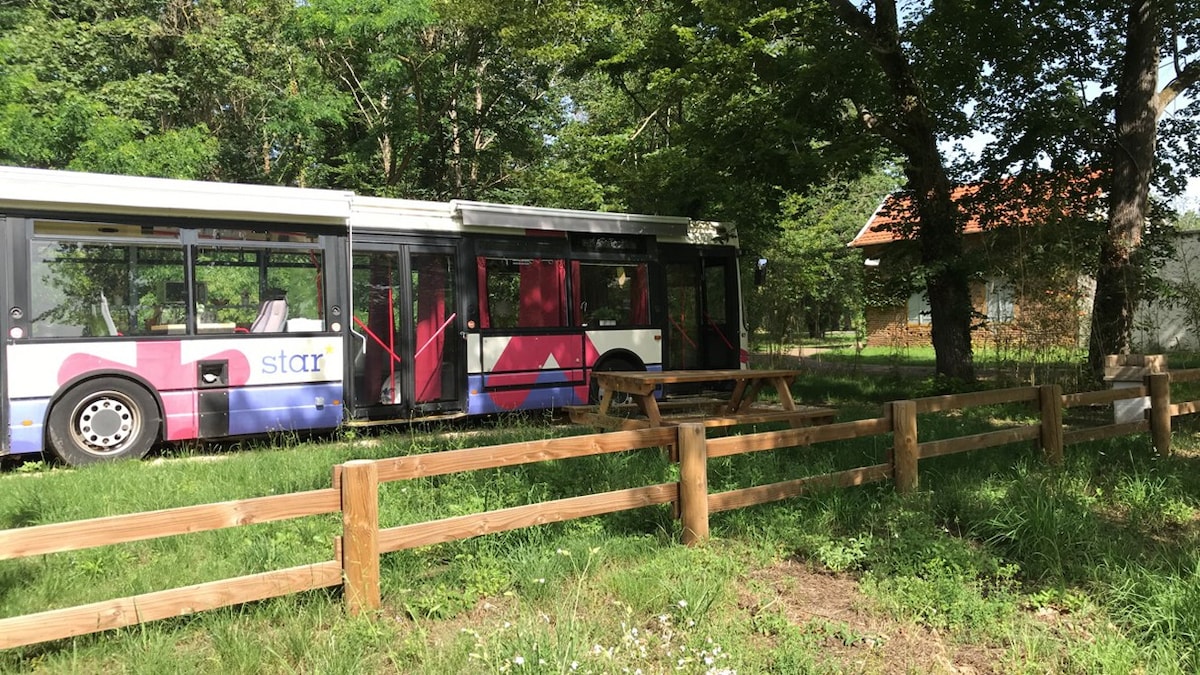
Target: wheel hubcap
<point>106,422</point>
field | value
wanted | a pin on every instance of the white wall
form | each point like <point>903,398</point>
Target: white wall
<point>1162,325</point>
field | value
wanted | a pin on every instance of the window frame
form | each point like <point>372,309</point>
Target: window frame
<point>924,314</point>
<point>185,235</point>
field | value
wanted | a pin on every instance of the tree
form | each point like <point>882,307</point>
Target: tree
<point>441,100</point>
<point>1140,105</point>
<point>89,87</point>
<point>711,110</point>
<point>911,100</point>
<point>187,90</point>
<point>1091,107</point>
<point>813,281</point>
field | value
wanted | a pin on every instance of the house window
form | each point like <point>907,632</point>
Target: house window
<point>918,310</point>
<point>1000,304</point>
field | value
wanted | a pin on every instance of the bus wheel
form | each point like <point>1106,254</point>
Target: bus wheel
<point>610,364</point>
<point>103,420</point>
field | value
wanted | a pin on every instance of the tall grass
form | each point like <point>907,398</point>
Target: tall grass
<point>993,544</point>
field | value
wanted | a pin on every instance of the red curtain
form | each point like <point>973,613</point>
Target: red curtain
<point>577,292</point>
<point>639,297</point>
<point>485,320</point>
<point>543,294</point>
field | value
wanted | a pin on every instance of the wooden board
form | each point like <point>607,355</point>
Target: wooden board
<point>989,439</point>
<point>758,416</point>
<point>1186,408</point>
<point>771,440</point>
<point>688,403</point>
<point>1102,396</point>
<point>80,534</point>
<point>590,418</point>
<point>762,494</point>
<point>502,520</point>
<point>754,415</point>
<point>99,616</point>
<point>513,454</point>
<point>991,397</point>
<point>1106,431</point>
<point>637,380</point>
<point>1189,375</point>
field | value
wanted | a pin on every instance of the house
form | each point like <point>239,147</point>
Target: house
<point>1029,240</point>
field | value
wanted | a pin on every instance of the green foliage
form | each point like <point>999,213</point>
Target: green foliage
<point>105,91</point>
<point>813,281</point>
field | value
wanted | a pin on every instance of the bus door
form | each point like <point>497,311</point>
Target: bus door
<point>407,347</point>
<point>704,325</point>
<point>8,305</point>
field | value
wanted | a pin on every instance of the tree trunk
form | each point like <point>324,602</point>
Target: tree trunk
<point>939,224</point>
<point>947,281</point>
<point>1118,280</point>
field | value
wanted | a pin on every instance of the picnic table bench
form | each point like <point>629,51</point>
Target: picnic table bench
<point>740,408</point>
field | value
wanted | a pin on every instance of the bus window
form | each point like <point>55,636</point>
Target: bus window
<point>93,290</point>
<point>611,294</point>
<point>522,293</point>
<point>232,285</point>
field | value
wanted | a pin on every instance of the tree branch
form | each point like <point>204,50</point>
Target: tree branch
<point>854,18</point>
<point>876,125</point>
<point>1184,80</point>
<point>645,123</point>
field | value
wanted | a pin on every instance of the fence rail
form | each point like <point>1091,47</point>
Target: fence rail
<point>990,439</point>
<point>516,517</point>
<point>81,534</point>
<point>355,493</point>
<point>1103,396</point>
<point>975,399</point>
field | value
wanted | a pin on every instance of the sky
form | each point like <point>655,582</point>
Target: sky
<point>1190,201</point>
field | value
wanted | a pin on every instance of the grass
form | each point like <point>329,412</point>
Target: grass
<point>1091,568</point>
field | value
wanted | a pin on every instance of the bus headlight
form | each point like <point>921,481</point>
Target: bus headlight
<point>16,332</point>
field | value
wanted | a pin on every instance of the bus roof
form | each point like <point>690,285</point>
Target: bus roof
<point>78,192</point>
<point>532,218</point>
<point>383,214</point>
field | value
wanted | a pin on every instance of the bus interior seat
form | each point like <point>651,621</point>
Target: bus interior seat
<point>271,317</point>
<point>108,320</point>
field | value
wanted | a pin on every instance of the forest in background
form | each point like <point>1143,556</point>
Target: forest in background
<point>791,120</point>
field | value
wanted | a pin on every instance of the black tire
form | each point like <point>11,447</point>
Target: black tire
<point>610,364</point>
<point>103,420</point>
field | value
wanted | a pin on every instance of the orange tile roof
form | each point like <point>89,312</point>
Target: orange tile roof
<point>896,217</point>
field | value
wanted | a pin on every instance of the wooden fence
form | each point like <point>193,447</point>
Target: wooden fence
<point>354,493</point>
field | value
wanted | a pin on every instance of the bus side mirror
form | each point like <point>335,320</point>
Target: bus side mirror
<point>760,272</point>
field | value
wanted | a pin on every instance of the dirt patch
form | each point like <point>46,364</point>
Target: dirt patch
<point>828,609</point>
<point>854,636</point>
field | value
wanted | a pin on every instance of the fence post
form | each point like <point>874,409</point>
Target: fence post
<point>1050,397</point>
<point>904,446</point>
<point>1159,386</point>
<point>360,535</point>
<point>693,483</point>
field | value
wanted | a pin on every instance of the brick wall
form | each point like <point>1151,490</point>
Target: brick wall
<point>1052,320</point>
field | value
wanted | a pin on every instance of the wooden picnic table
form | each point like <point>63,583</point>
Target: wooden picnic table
<point>739,409</point>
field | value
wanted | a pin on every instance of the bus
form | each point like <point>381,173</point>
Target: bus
<point>140,311</point>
